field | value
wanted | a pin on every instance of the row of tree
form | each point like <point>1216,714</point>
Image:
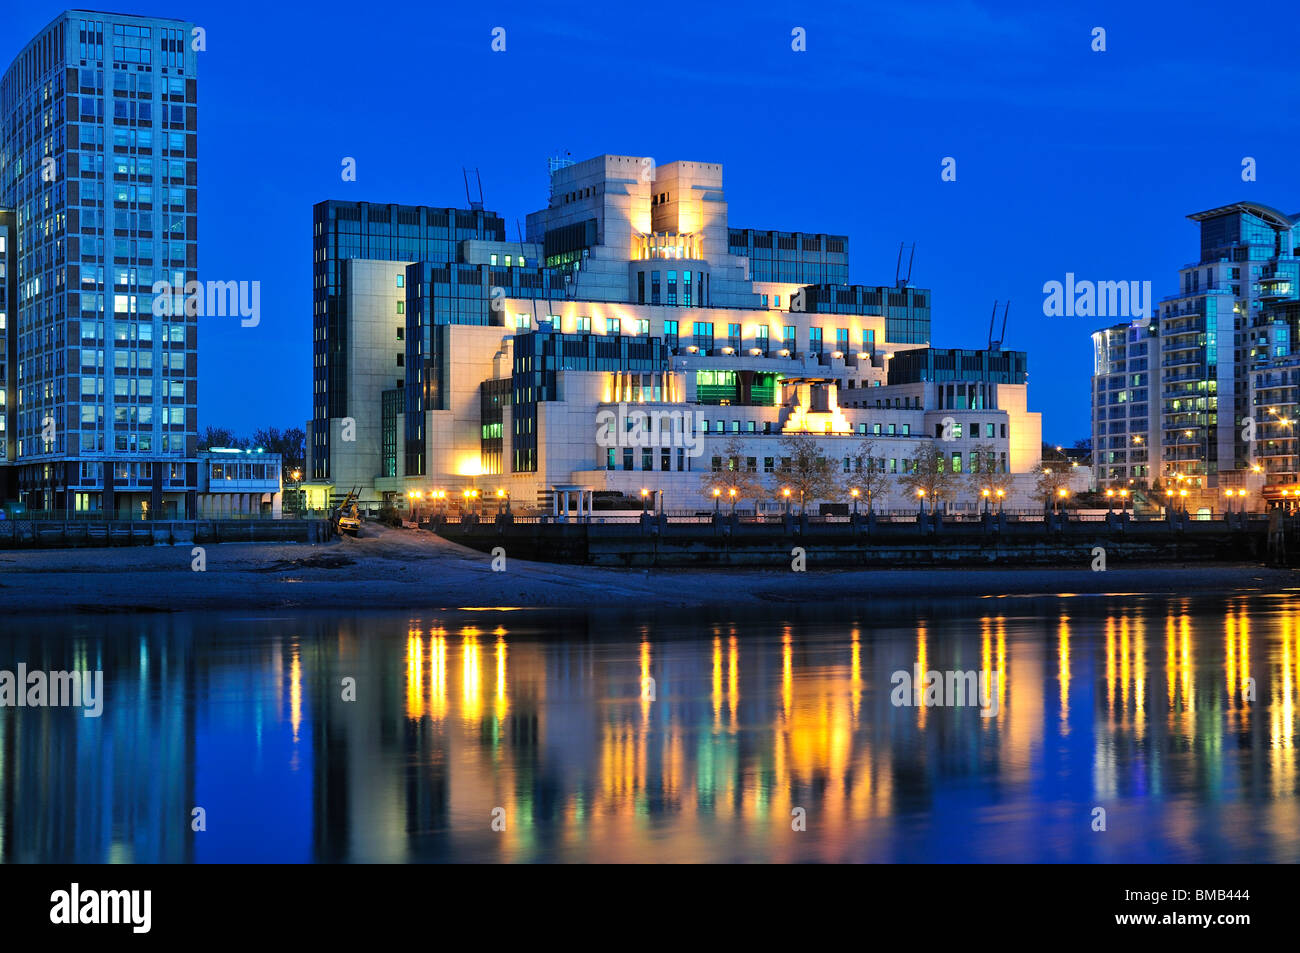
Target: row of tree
<point>809,475</point>
<point>290,444</point>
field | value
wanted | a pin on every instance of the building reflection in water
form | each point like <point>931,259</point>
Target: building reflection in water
<point>677,741</point>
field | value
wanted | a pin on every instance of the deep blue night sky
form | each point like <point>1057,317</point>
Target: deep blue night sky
<point>1067,159</point>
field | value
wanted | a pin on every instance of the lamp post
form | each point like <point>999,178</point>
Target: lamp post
<point>1123,501</point>
<point>785,492</point>
<point>645,495</point>
<point>1061,495</point>
<point>732,493</point>
<point>503,501</point>
<point>986,494</point>
<point>717,495</point>
<point>1001,495</point>
<point>921,495</point>
<point>854,493</point>
<point>1110,501</point>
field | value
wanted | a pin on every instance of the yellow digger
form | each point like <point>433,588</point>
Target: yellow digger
<point>347,517</point>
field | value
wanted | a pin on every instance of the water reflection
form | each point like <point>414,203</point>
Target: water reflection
<point>384,738</point>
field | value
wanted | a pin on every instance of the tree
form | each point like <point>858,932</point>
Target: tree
<point>929,477</point>
<point>805,471</point>
<point>220,437</point>
<point>1051,481</point>
<point>869,476</point>
<point>290,444</point>
<point>732,476</point>
<point>987,479</point>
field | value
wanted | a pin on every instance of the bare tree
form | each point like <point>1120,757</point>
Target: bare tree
<point>220,437</point>
<point>1052,483</point>
<point>805,471</point>
<point>731,481</point>
<point>929,477</point>
<point>987,479</point>
<point>869,477</point>
<point>290,444</point>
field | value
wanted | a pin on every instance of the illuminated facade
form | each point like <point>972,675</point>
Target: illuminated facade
<point>98,165</point>
<point>1202,395</point>
<point>477,362</point>
<point>8,345</point>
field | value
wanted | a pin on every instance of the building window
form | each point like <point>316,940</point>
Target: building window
<point>815,340</point>
<point>642,326</point>
<point>612,326</point>
<point>704,335</point>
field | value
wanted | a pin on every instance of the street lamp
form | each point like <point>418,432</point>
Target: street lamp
<point>1001,495</point>
<point>1110,496</point>
<point>986,494</point>
<point>854,493</point>
<point>732,493</point>
<point>1061,494</point>
<point>644,495</point>
<point>785,492</point>
<point>717,494</point>
<point>921,495</point>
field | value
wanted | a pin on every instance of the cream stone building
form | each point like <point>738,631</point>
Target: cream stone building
<point>632,340</point>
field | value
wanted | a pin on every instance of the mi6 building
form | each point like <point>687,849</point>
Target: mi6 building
<point>632,341</point>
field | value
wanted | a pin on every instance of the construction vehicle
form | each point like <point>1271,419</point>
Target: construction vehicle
<point>347,517</point>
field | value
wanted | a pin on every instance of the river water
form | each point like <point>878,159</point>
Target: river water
<point>1116,729</point>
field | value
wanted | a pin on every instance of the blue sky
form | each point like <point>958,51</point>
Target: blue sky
<point>1068,160</point>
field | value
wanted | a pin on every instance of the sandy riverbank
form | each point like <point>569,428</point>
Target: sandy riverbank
<point>405,569</point>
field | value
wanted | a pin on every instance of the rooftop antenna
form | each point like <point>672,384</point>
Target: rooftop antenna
<point>554,164</point>
<point>995,344</point>
<point>475,206</point>
<point>899,281</point>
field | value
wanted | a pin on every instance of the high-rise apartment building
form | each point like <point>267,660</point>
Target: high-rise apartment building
<point>98,178</point>
<point>1201,395</point>
<point>7,345</point>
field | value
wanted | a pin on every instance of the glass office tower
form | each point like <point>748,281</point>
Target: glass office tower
<point>361,230</point>
<point>98,165</point>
